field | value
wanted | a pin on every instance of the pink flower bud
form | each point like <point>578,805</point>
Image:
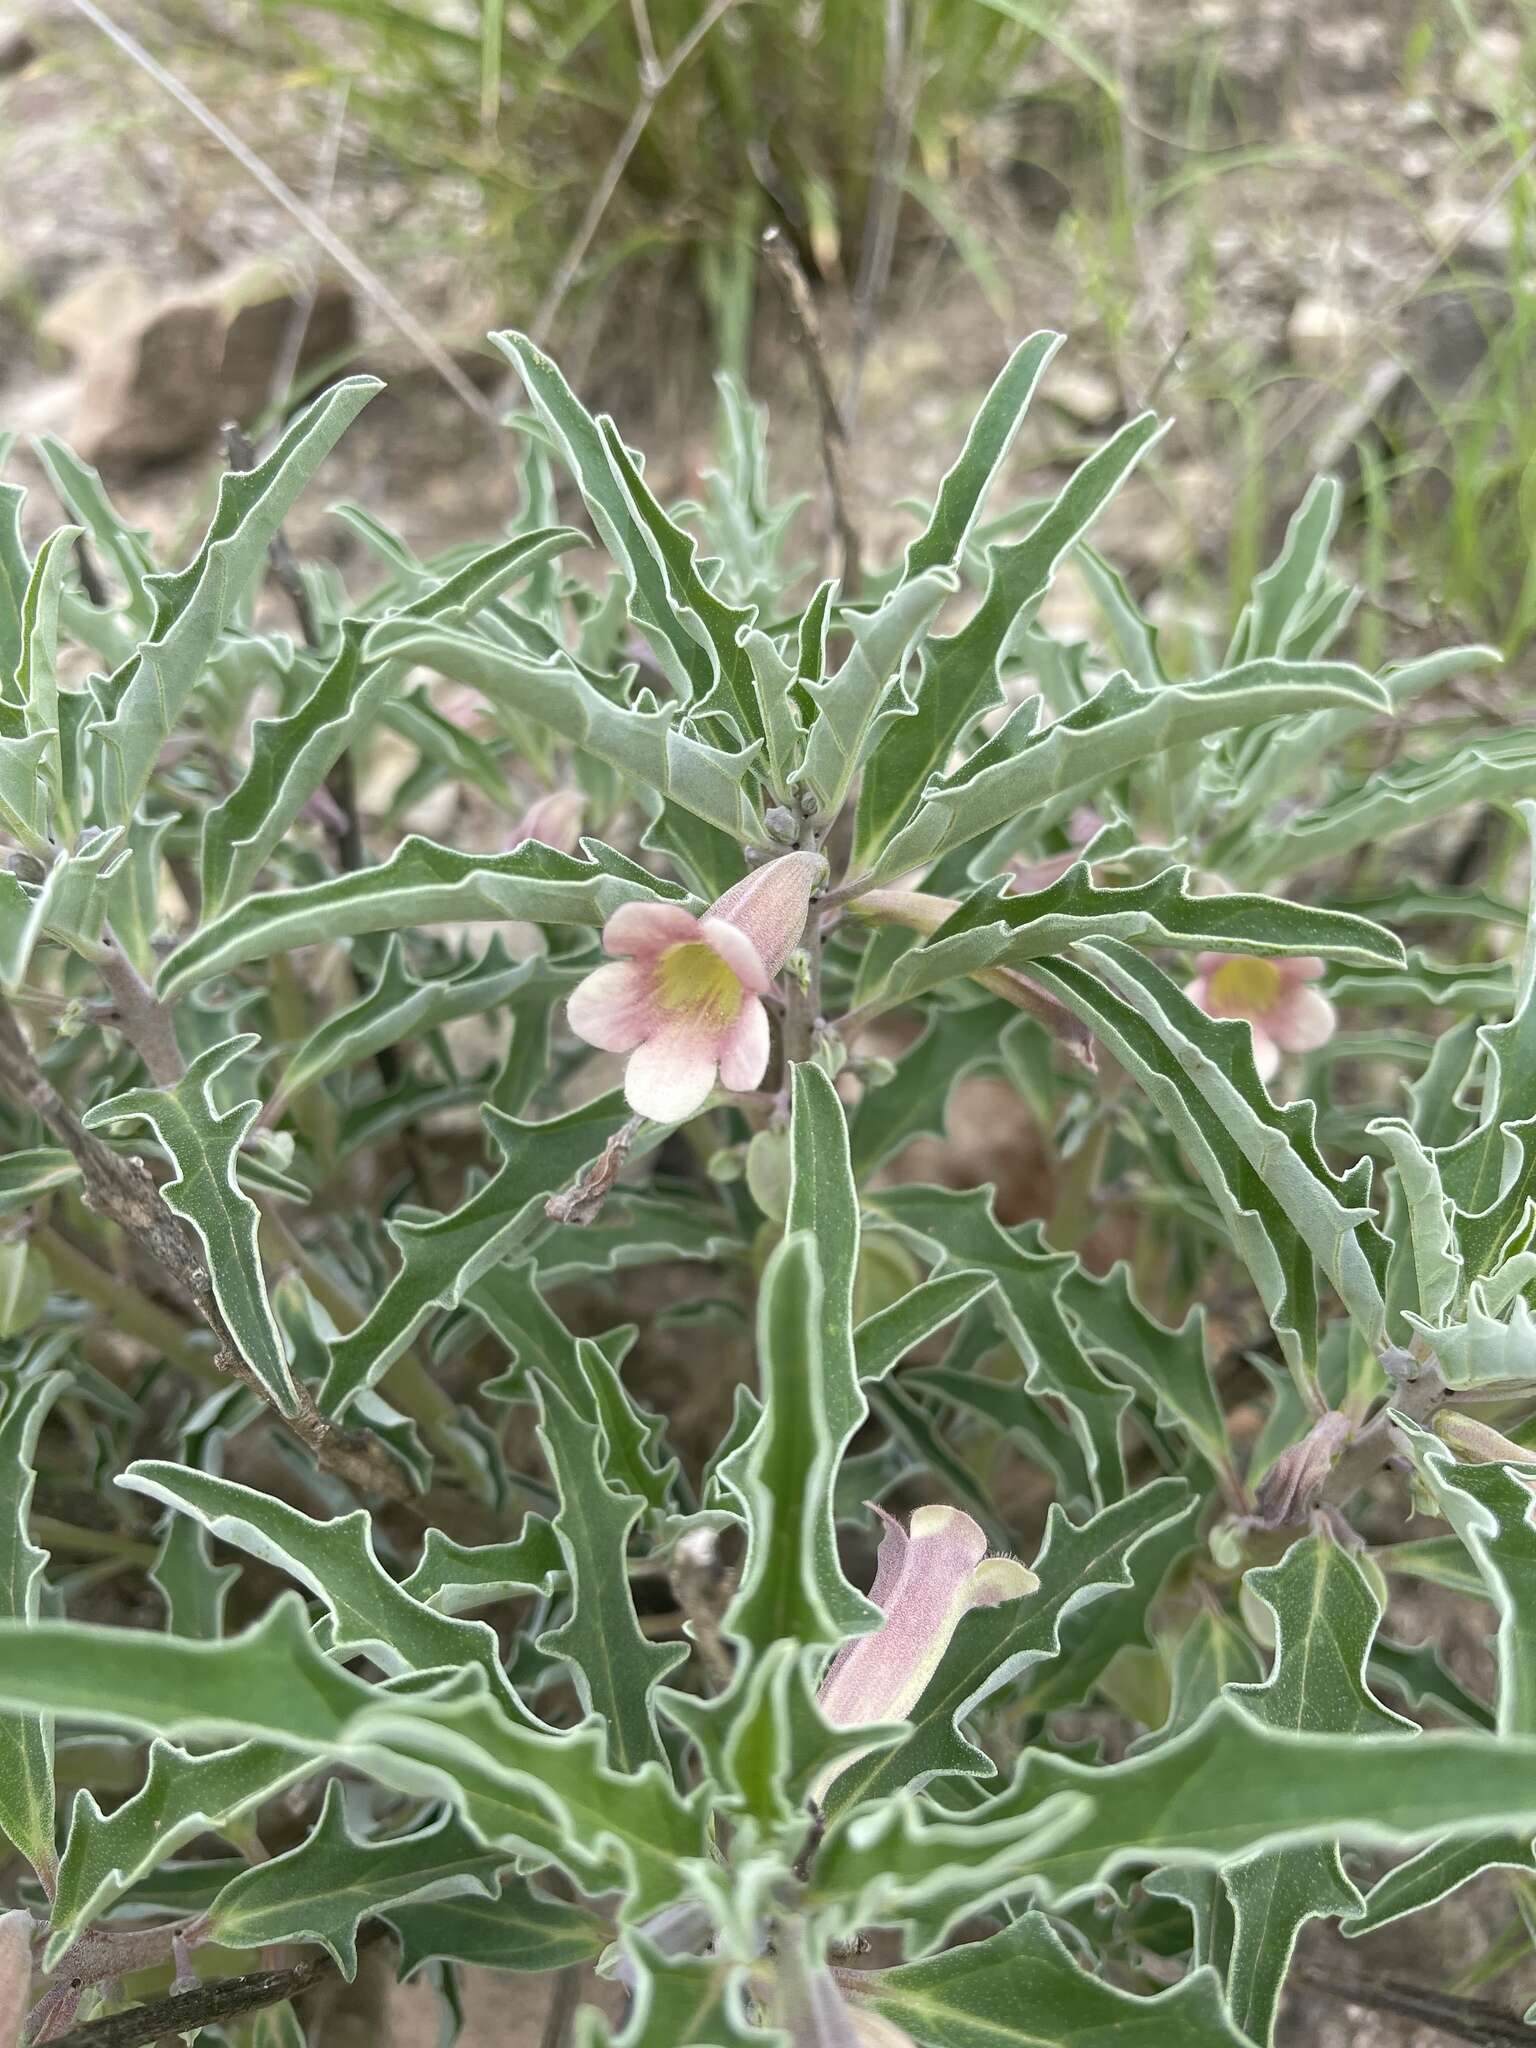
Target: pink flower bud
<point>927,1577</point>
<point>554,820</point>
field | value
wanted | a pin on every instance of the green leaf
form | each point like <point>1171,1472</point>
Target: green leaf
<point>37,673</point>
<point>453,1576</point>
<point>764,1741</point>
<point>993,928</point>
<point>615,1667</point>
<point>124,547</point>
<point>292,755</point>
<point>680,2002</point>
<point>26,1281</point>
<point>183,1796</point>
<point>641,739</point>
<point>420,883</point>
<point>320,1891</point>
<point>1025,1987</point>
<point>1282,1205</point>
<point>142,702</point>
<point>884,1339</point>
<point>538,1792</point>
<point>1326,1617</point>
<point>400,1005</point>
<point>1436,1872</point>
<point>335,1560</point>
<point>26,1739</point>
<point>912,1105</point>
<point>717,626</point>
<point>1292,583</point>
<point>442,1257</point>
<point>852,706</point>
<point>1393,800</point>
<point>194,1589</point>
<point>203,1143</point>
<point>993,1646</point>
<point>1122,725</point>
<point>516,1929</point>
<point>824,1204</point>
<point>958,679</point>
<point>783,1474</point>
<point>29,1176</point>
<point>588,454</point>
<point>964,487</point>
<point>1489,1507</point>
<point>961,1230</point>
<point>1168,1366</point>
<point>1091,1638</point>
<point>1231,1786</point>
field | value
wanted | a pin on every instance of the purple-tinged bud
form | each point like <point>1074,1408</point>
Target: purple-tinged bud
<point>770,905</point>
<point>1475,1443</point>
<point>553,820</point>
<point>927,1577</point>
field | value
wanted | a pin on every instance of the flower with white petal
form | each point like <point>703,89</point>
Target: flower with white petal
<point>684,995</point>
<point>1274,996</point>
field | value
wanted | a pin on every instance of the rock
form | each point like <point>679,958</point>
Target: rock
<point>1083,394</point>
<point>1321,332</point>
<point>1488,70</point>
<point>1471,233</point>
<point>163,372</point>
<point>104,301</point>
<point>260,310</point>
<point>17,51</point>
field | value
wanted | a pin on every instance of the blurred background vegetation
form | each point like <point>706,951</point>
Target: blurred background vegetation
<point>1303,227</point>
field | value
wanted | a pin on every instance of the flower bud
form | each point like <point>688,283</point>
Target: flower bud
<point>1475,1443</point>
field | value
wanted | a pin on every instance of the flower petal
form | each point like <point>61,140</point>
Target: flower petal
<point>1266,1054</point>
<point>614,1007</point>
<point>737,951</point>
<point>744,1050</point>
<point>670,1076</point>
<point>1302,1020</point>
<point>643,928</point>
<point>1302,967</point>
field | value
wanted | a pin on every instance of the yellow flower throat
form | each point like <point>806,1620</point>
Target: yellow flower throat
<point>1248,986</point>
<point>692,978</point>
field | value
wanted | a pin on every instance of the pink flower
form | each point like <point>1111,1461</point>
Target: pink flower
<point>684,997</point>
<point>926,1578</point>
<point>15,1975</point>
<point>553,819</point>
<point>1285,1014</point>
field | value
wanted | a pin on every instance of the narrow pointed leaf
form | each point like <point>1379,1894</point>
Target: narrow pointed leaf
<point>203,1143</point>
<point>617,1669</point>
<point>1025,1989</point>
<point>442,1257</point>
<point>958,680</point>
<point>192,607</point>
<point>420,883</point>
<point>321,1890</point>
<point>26,1739</point>
<point>1120,726</point>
